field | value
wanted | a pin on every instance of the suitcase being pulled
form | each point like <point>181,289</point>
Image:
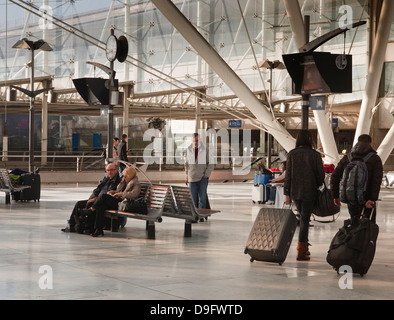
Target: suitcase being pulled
<point>354,245</point>
<point>271,235</point>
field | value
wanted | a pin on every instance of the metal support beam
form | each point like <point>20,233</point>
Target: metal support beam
<point>179,21</point>
<point>387,145</point>
<point>375,69</point>
<point>323,126</point>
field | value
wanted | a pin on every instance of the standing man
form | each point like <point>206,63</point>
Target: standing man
<point>374,165</point>
<point>122,151</point>
<point>198,170</point>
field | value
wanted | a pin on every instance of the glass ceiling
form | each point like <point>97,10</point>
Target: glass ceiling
<point>243,32</point>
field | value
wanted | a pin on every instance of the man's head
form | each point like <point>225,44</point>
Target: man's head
<point>112,170</point>
<point>365,138</point>
<point>195,140</point>
<point>124,137</point>
<point>116,141</point>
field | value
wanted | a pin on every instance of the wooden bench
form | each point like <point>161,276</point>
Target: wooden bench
<point>179,204</point>
<point>7,186</point>
<point>155,196</point>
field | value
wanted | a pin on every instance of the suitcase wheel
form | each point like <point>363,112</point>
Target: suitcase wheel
<point>251,259</point>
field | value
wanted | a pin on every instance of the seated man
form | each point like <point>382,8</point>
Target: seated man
<point>128,188</point>
<point>110,182</point>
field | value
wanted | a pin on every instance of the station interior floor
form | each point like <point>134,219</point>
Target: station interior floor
<point>39,262</point>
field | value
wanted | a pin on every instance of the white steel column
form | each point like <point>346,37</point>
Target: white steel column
<point>44,105</point>
<point>375,69</point>
<point>184,27</point>
<point>387,145</point>
<point>322,122</point>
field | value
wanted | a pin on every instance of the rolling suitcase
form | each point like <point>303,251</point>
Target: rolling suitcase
<point>271,235</point>
<point>354,245</point>
<point>259,193</point>
<point>33,193</point>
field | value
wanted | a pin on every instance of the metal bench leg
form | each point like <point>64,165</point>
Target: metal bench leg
<point>7,198</point>
<point>151,230</point>
<point>188,229</point>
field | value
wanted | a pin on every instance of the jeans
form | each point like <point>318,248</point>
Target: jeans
<point>305,210</point>
<point>355,210</point>
<point>272,193</point>
<point>198,190</point>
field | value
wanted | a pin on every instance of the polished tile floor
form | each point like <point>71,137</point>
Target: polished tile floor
<point>38,261</point>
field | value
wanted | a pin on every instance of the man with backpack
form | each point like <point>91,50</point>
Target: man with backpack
<point>357,178</point>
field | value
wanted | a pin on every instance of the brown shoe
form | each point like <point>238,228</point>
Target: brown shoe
<point>303,253</point>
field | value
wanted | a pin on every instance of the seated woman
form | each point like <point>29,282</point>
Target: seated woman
<point>128,188</point>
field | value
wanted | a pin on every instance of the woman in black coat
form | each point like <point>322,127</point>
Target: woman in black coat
<point>304,174</point>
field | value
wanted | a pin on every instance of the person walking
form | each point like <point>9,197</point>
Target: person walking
<point>374,166</point>
<point>304,174</point>
<point>198,169</point>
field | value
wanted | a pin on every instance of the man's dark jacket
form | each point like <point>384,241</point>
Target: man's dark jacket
<point>374,166</point>
<point>122,151</point>
<point>110,184</point>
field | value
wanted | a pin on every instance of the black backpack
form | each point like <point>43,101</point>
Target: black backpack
<point>354,181</point>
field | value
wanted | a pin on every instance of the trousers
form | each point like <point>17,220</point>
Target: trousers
<point>305,210</point>
<point>198,190</point>
<point>104,202</point>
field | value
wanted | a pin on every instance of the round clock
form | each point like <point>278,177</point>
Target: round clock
<point>341,61</point>
<point>111,48</point>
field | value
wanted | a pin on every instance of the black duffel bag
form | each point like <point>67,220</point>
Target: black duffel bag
<point>324,205</point>
<point>134,205</point>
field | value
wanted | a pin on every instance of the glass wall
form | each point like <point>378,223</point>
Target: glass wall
<point>159,57</point>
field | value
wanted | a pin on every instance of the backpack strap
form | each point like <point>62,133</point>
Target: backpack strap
<point>369,155</point>
<point>349,156</point>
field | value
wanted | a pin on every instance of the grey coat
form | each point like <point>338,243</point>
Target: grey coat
<point>202,167</point>
<point>130,190</point>
<point>304,174</point>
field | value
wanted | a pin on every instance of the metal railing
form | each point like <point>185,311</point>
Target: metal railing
<point>93,160</point>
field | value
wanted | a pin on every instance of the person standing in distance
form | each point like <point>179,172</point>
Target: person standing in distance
<point>304,174</point>
<point>198,170</point>
<point>122,151</point>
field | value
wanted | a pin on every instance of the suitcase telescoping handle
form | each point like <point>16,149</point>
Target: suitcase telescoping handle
<point>370,216</point>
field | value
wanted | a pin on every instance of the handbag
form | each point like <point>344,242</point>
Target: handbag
<point>134,205</point>
<point>324,204</point>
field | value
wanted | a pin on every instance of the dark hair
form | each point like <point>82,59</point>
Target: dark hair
<point>366,138</point>
<point>116,139</point>
<point>304,138</point>
<point>124,136</point>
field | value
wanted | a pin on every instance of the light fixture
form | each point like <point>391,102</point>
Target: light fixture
<point>32,46</point>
